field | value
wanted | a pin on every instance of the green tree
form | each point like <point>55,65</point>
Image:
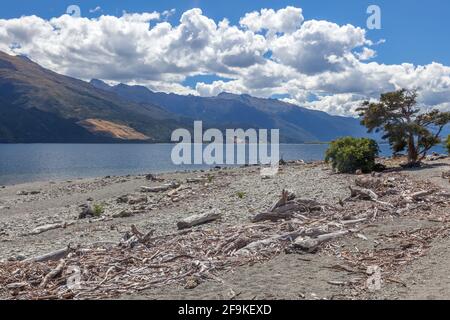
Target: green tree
<point>405,127</point>
<point>350,154</point>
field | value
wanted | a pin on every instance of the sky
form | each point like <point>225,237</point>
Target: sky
<point>315,53</point>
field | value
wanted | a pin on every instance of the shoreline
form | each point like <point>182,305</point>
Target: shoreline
<point>34,223</point>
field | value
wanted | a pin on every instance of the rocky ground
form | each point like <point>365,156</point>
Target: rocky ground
<point>405,239</point>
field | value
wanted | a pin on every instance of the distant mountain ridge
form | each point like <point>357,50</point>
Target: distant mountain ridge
<point>228,110</point>
<point>38,105</point>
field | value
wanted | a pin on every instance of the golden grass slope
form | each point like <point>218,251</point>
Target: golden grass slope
<point>111,129</point>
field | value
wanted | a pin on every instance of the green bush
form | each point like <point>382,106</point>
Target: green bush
<point>347,155</point>
<point>240,194</point>
<point>98,210</point>
<point>447,144</point>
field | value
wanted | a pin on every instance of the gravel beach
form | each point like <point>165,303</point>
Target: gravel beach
<point>238,194</point>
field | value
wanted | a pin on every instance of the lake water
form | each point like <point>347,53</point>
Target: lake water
<point>44,162</point>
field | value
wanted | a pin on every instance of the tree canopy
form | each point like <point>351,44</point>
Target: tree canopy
<point>403,123</point>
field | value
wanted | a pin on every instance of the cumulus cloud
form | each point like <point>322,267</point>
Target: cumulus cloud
<point>284,20</point>
<point>317,64</point>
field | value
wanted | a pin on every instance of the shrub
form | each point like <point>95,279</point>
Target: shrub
<point>98,210</point>
<point>347,155</point>
<point>240,194</point>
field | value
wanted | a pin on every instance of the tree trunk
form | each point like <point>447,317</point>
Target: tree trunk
<point>412,150</point>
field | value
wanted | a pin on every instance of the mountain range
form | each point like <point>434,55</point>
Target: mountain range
<point>38,105</point>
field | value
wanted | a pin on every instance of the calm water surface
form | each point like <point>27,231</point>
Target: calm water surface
<point>43,162</point>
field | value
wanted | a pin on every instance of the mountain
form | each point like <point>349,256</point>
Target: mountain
<point>227,110</point>
<point>38,105</point>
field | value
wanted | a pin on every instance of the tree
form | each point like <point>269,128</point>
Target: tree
<point>350,154</point>
<point>403,124</point>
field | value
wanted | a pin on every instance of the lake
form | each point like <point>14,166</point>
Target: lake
<point>21,163</point>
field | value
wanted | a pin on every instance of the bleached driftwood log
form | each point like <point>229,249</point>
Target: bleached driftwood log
<point>196,220</point>
<point>53,274</point>
<point>48,227</point>
<point>311,244</point>
<point>366,194</point>
<point>51,256</point>
<point>286,207</point>
<point>421,194</point>
<point>162,188</point>
<point>258,245</point>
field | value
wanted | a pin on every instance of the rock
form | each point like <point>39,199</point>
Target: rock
<point>132,200</point>
<point>90,199</point>
<point>87,211</point>
<point>122,199</point>
<point>124,214</point>
<point>191,283</point>
<point>27,193</point>
<point>137,200</point>
<point>196,180</point>
<point>306,244</point>
<point>368,182</point>
<point>152,177</point>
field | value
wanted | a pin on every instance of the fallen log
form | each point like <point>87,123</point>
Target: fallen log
<point>51,256</point>
<point>267,242</point>
<point>162,188</point>
<point>421,194</point>
<point>366,194</point>
<point>49,227</point>
<point>311,244</point>
<point>286,207</point>
<point>53,274</point>
<point>286,196</point>
<point>199,219</point>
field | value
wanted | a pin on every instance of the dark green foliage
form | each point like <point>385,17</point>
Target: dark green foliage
<point>404,126</point>
<point>347,155</point>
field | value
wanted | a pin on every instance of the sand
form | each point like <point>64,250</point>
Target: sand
<point>237,193</point>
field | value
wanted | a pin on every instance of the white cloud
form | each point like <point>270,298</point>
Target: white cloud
<point>96,9</point>
<point>366,54</point>
<point>318,64</point>
<point>284,20</point>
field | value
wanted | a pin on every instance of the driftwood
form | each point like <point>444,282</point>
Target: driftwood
<point>368,182</point>
<point>53,274</point>
<point>196,180</point>
<point>258,245</point>
<point>366,194</point>
<point>311,245</point>
<point>162,188</point>
<point>286,207</point>
<point>417,196</point>
<point>49,227</point>
<point>192,221</point>
<point>446,175</point>
<point>51,256</point>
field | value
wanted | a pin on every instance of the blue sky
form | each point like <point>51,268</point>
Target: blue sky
<point>314,53</point>
<point>416,31</point>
